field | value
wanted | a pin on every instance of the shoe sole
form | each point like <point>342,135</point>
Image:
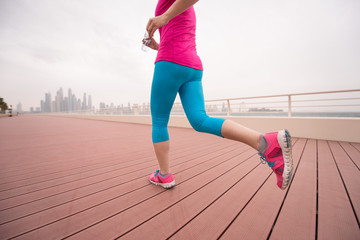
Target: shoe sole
<point>164,185</point>
<point>284,140</point>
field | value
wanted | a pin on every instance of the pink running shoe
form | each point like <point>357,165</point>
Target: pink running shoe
<point>278,156</point>
<point>166,181</point>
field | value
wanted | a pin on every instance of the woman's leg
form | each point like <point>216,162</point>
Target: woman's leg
<point>274,148</point>
<point>163,93</point>
<point>235,131</point>
<point>192,98</point>
<point>162,154</point>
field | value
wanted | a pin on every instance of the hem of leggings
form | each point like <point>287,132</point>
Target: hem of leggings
<point>160,141</point>
<point>224,119</point>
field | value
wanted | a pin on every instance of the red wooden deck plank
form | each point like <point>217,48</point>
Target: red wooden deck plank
<point>72,164</point>
<point>120,154</point>
<point>112,132</point>
<point>297,219</point>
<point>65,150</point>
<point>214,179</point>
<point>257,218</point>
<point>349,173</point>
<point>48,150</point>
<point>356,145</point>
<point>353,153</point>
<point>71,180</point>
<point>250,176</point>
<point>121,161</point>
<point>121,157</point>
<point>107,177</point>
<point>140,164</point>
<point>336,219</point>
<point>211,223</point>
<point>216,218</point>
<point>105,208</point>
<point>69,137</point>
<point>107,188</point>
<point>49,179</point>
<point>125,212</point>
<point>34,136</point>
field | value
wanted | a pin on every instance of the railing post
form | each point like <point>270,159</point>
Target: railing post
<point>289,106</point>
<point>228,108</point>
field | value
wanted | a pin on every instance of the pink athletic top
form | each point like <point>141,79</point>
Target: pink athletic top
<point>177,38</point>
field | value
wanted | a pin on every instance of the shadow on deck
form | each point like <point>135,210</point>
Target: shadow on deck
<point>85,179</point>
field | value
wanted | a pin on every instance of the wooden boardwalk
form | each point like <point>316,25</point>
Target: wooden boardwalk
<point>65,178</point>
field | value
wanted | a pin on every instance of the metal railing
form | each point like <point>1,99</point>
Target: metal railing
<point>342,103</point>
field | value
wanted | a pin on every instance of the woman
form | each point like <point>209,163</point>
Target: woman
<point>178,69</point>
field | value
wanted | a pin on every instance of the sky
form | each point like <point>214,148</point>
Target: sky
<point>248,48</point>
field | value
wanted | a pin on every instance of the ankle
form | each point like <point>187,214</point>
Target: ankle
<point>164,173</point>
<point>262,145</point>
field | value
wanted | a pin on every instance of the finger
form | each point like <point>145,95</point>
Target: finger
<point>151,33</point>
<point>149,29</point>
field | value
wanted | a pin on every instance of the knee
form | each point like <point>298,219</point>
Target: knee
<point>159,129</point>
<point>197,120</point>
<point>160,134</point>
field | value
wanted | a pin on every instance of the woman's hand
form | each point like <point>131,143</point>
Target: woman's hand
<point>153,44</point>
<point>155,23</point>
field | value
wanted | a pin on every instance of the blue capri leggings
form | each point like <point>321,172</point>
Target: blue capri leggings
<point>170,79</point>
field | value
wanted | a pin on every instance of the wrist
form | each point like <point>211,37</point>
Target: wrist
<point>166,17</point>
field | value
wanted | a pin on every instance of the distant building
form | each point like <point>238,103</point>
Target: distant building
<point>19,107</point>
<point>102,105</point>
<point>42,106</point>
<point>53,106</point>
<point>62,103</point>
<point>59,101</point>
<point>48,103</point>
<point>66,104</point>
<point>84,106</point>
<point>74,103</point>
<point>78,105</point>
<point>70,101</point>
<point>89,102</point>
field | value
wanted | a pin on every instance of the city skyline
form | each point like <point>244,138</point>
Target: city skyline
<point>71,103</point>
<point>63,103</point>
